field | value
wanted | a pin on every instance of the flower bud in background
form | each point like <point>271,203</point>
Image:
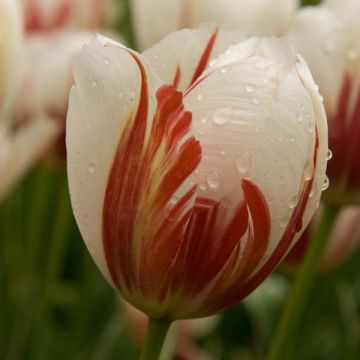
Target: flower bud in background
<point>49,15</point>
<point>186,331</point>
<point>20,147</point>
<point>257,17</point>
<point>328,38</point>
<point>344,240</point>
<point>44,79</point>
<point>187,199</point>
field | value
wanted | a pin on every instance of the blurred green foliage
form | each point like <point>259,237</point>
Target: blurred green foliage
<point>310,2</point>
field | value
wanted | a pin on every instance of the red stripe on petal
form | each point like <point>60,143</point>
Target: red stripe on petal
<point>141,230</point>
<point>177,77</point>
<point>205,57</point>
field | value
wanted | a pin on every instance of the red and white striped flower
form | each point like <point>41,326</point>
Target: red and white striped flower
<point>20,147</point>
<point>328,37</point>
<point>257,17</point>
<point>49,15</point>
<point>45,76</point>
<point>189,181</point>
<point>343,241</point>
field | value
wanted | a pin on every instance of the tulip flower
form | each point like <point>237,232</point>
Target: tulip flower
<point>49,15</point>
<point>257,17</point>
<point>343,241</point>
<point>19,147</point>
<point>333,54</point>
<point>45,77</point>
<point>191,178</point>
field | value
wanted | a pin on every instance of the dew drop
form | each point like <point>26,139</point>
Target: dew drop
<point>309,172</point>
<point>256,101</point>
<point>221,116</point>
<point>213,180</point>
<point>329,155</point>
<point>200,97</point>
<point>326,184</point>
<point>244,163</point>
<point>222,152</point>
<point>204,120</point>
<point>224,69</point>
<point>107,62</point>
<point>250,89</point>
<point>262,64</point>
<point>91,168</point>
<point>202,187</point>
<point>94,83</point>
<point>300,117</point>
<point>293,202</point>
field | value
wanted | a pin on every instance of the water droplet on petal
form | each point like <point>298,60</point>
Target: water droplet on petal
<point>200,97</point>
<point>91,168</point>
<point>222,152</point>
<point>256,101</point>
<point>329,155</point>
<point>309,172</point>
<point>262,64</point>
<point>202,187</point>
<point>94,83</point>
<point>293,202</point>
<point>204,120</point>
<point>213,180</point>
<point>107,62</point>
<point>224,69</point>
<point>326,184</point>
<point>244,163</point>
<point>222,116</point>
<point>250,89</point>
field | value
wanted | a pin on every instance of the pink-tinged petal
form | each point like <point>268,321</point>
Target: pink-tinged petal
<point>333,56</point>
<point>344,139</point>
<point>182,57</point>
<point>21,150</point>
<point>44,81</point>
<point>43,15</point>
<point>10,41</point>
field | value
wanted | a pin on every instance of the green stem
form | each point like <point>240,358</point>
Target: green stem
<point>155,337</point>
<point>294,309</point>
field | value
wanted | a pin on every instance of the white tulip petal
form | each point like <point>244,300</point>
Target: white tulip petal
<point>108,95</point>
<point>178,58</point>
<point>20,151</point>
<point>246,111</point>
